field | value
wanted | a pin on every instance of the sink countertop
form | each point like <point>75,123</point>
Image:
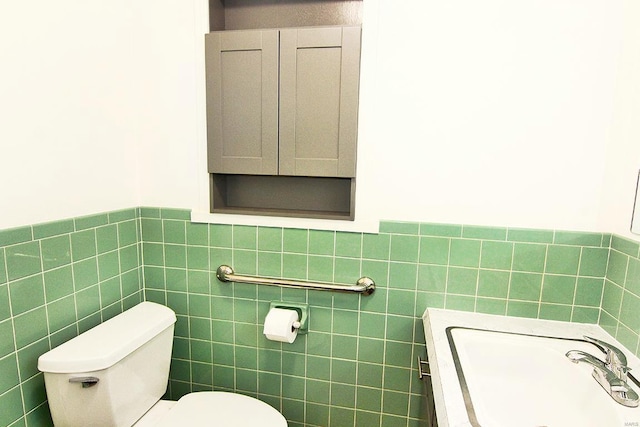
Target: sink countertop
<point>449,403</point>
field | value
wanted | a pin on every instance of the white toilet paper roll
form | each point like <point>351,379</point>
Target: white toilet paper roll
<point>281,325</point>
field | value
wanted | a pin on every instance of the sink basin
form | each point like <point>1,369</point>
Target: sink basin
<point>516,379</point>
<point>497,371</point>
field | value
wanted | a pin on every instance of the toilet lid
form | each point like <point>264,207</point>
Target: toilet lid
<point>217,408</point>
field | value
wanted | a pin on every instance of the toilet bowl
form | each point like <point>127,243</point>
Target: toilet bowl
<point>115,374</point>
<point>213,408</point>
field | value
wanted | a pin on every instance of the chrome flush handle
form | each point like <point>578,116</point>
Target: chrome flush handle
<point>85,381</point>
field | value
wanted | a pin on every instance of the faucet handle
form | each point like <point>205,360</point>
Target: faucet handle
<point>616,359</point>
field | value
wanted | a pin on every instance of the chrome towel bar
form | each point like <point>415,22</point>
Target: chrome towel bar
<point>364,285</point>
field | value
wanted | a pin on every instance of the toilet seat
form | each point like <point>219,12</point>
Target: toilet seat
<point>217,408</point>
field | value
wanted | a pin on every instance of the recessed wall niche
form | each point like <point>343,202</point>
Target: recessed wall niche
<point>305,129</point>
<point>255,14</point>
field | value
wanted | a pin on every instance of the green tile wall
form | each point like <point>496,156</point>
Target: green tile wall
<point>57,280</point>
<point>357,364</point>
<point>621,297</point>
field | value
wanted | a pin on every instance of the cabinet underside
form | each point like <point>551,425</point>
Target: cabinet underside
<point>289,196</point>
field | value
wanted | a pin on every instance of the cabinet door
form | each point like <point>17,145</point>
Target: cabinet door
<point>242,102</point>
<point>319,77</point>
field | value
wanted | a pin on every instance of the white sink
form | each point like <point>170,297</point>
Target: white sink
<point>493,371</point>
<point>527,380</point>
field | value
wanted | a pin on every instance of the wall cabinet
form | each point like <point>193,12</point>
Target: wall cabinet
<point>242,101</point>
<point>283,102</point>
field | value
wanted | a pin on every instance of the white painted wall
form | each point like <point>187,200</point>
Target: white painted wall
<point>509,112</point>
<point>66,119</point>
<point>170,97</point>
<point>623,150</point>
<point>500,112</point>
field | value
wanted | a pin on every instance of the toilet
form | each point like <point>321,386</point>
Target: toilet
<point>114,375</point>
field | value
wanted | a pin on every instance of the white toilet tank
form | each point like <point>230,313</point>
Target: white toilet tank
<point>113,373</point>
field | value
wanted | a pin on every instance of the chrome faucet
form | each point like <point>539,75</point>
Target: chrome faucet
<point>615,360</point>
<point>610,374</point>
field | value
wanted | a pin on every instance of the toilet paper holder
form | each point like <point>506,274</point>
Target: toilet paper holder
<point>301,308</point>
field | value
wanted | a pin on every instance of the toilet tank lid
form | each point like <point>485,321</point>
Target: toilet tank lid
<point>109,342</point>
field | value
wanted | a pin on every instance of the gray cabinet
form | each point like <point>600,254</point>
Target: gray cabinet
<point>283,102</point>
<point>242,101</point>
<point>319,75</point>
